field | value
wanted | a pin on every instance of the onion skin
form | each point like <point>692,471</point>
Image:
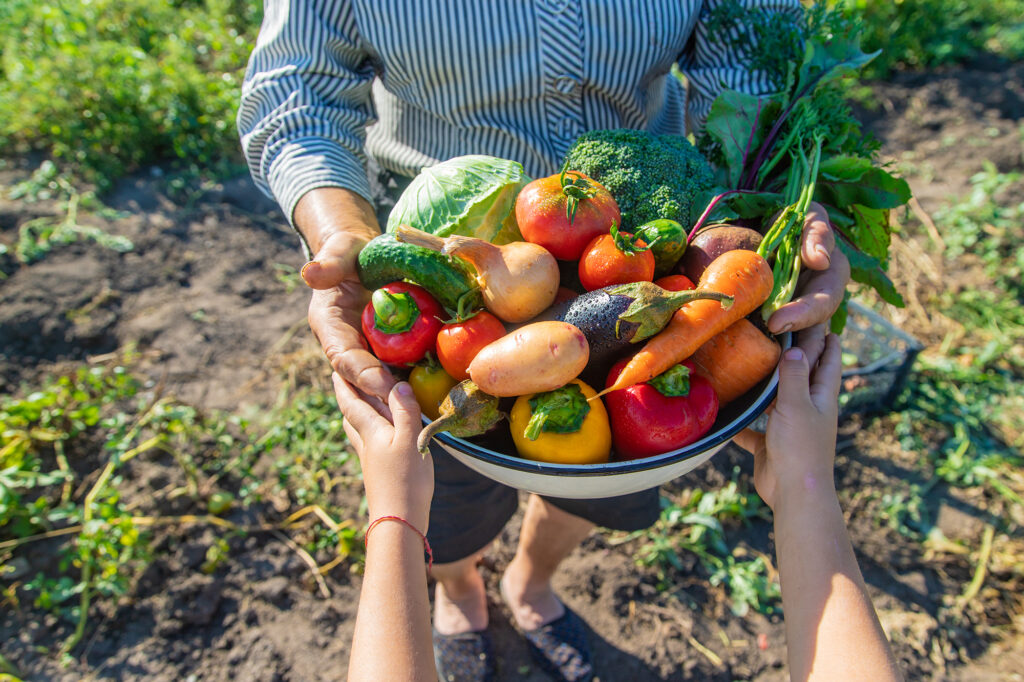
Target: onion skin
<point>518,280</point>
<point>537,357</point>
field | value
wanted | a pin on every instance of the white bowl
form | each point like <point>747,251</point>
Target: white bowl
<point>487,455</point>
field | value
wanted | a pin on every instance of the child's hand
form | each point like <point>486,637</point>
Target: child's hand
<point>797,453</point>
<point>398,480</point>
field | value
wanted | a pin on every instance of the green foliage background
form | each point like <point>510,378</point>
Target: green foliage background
<point>106,85</point>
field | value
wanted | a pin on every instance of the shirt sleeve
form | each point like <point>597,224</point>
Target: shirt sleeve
<point>306,101</point>
<point>710,66</point>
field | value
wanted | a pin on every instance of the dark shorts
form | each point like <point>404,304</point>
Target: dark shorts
<point>469,509</point>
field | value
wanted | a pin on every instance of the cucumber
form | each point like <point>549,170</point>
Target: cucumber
<point>449,279</point>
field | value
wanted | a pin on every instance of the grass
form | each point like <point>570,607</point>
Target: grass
<point>105,86</point>
<point>698,522</point>
<point>65,449</point>
<point>919,34</point>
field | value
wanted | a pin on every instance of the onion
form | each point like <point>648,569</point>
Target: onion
<point>518,280</point>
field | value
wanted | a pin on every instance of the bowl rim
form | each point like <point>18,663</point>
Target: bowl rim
<point>751,413</point>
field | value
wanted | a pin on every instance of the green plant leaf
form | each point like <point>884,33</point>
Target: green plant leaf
<point>739,123</point>
<point>868,270</point>
<point>828,58</point>
<point>846,180</point>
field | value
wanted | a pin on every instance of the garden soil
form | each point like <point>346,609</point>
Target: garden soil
<point>206,298</point>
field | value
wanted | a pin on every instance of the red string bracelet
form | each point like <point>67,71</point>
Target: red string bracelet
<point>426,545</point>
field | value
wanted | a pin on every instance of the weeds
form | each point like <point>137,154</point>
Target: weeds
<point>63,453</point>
<point>924,33</point>
<point>38,237</point>
<point>695,523</point>
<point>105,86</point>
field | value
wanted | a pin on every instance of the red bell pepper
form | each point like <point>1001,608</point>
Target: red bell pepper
<point>401,322</point>
<point>671,410</point>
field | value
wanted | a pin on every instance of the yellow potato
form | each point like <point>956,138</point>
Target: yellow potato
<point>536,357</point>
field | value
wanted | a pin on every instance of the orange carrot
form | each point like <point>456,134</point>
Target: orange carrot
<point>739,273</point>
<point>735,360</point>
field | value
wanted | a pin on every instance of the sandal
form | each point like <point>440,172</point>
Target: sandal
<point>465,657</point>
<point>560,648</point>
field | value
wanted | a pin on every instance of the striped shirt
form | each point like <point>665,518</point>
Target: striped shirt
<point>412,83</point>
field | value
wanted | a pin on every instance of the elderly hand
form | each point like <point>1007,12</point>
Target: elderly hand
<point>823,282</point>
<point>337,224</point>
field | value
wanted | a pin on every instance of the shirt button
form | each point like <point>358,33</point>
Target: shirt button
<point>565,84</point>
<point>557,5</point>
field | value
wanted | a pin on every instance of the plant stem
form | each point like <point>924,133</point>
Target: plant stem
<point>710,207</point>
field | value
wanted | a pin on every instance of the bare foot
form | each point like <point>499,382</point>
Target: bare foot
<point>532,605</point>
<point>460,606</point>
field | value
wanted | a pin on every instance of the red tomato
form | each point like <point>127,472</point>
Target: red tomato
<point>563,212</point>
<point>401,322</point>
<point>564,294</point>
<point>459,342</point>
<point>647,422</point>
<point>615,258</point>
<point>675,283</point>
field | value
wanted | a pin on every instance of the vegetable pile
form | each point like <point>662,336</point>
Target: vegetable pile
<point>535,327</point>
<point>612,309</point>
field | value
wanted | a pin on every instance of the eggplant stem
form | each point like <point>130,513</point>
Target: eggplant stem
<point>429,431</point>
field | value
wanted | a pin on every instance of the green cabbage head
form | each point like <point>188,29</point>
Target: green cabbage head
<point>469,195</point>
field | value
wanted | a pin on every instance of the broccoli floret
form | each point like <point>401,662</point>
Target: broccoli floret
<point>650,176</point>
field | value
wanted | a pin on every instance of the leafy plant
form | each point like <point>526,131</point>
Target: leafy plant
<point>917,34</point>
<point>802,142</point>
<point>107,85</point>
<point>696,523</point>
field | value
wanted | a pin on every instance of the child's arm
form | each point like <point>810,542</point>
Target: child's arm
<point>831,627</point>
<point>392,633</point>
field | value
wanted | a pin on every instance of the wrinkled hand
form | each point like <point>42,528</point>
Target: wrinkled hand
<point>398,480</point>
<point>335,307</point>
<point>797,452</point>
<point>826,274</point>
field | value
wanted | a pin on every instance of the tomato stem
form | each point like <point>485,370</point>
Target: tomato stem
<point>575,189</point>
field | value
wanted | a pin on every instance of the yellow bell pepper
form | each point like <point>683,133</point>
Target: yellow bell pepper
<point>565,428</point>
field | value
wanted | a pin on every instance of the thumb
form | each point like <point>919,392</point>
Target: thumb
<point>335,262</point>
<point>794,382</point>
<point>405,411</point>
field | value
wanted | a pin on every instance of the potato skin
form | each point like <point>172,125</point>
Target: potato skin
<point>711,242</point>
<point>541,356</point>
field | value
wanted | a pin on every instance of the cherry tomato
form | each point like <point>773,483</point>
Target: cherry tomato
<point>564,212</point>
<point>430,384</point>
<point>675,283</point>
<point>401,322</point>
<point>459,342</point>
<point>615,258</point>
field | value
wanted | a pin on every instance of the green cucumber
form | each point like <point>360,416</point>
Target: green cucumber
<point>449,279</point>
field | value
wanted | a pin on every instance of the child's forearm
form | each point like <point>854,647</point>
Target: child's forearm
<point>831,627</point>
<point>394,610</point>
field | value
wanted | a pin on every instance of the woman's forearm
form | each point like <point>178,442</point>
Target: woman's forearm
<point>394,610</point>
<point>832,631</point>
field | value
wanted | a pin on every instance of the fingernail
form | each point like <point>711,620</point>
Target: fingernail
<point>794,354</point>
<point>785,328</point>
<point>824,253</point>
<point>305,267</point>
<point>404,389</point>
